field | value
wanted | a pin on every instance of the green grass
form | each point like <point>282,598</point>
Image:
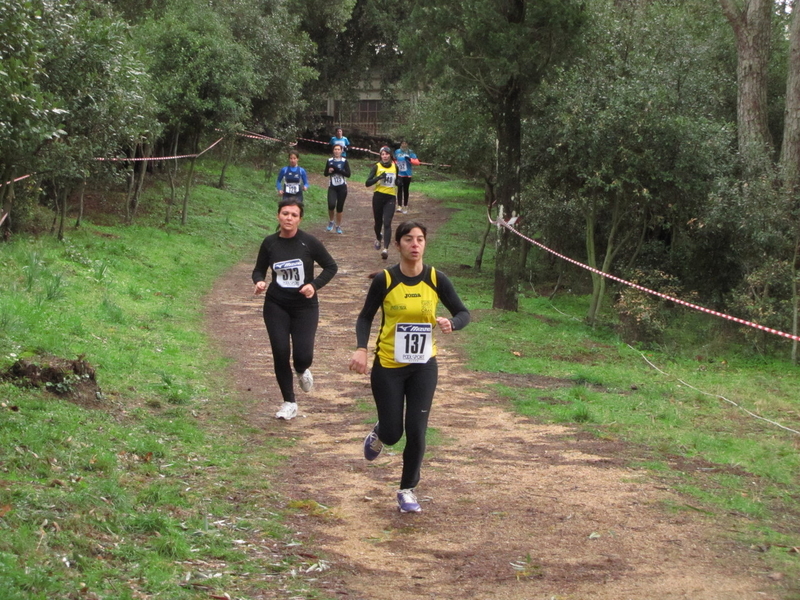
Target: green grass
<point>128,499</point>
<point>682,402</point>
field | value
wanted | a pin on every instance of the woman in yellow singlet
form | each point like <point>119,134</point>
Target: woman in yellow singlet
<point>404,371</point>
<point>384,177</point>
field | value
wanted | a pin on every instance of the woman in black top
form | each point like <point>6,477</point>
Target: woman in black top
<point>291,305</point>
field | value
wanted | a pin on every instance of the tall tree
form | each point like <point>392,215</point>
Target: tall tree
<point>26,111</point>
<point>502,49</point>
<point>751,21</point>
<point>620,143</point>
<point>101,87</point>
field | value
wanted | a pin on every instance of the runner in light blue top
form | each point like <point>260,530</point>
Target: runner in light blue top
<point>403,157</point>
<point>340,140</point>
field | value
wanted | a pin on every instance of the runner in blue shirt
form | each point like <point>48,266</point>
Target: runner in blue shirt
<point>340,140</point>
<point>403,157</point>
<point>292,180</point>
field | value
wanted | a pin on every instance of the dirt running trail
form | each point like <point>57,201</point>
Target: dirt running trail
<point>512,509</point>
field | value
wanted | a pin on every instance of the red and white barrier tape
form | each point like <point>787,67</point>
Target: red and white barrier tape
<point>16,180</point>
<point>509,226</point>
<point>328,144</point>
<point>160,157</point>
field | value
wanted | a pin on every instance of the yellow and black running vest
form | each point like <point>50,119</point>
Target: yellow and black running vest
<point>409,316</point>
<point>388,185</point>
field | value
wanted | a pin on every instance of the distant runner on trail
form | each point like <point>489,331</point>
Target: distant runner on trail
<point>338,169</point>
<point>384,177</point>
<point>292,180</point>
<point>404,372</point>
<point>340,140</point>
<point>404,157</point>
<point>291,305</point>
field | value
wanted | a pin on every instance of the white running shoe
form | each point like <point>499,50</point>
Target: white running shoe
<point>399,208</point>
<point>405,210</point>
<point>306,380</point>
<point>288,411</point>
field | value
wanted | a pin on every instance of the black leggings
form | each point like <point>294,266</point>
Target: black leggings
<point>415,384</point>
<point>403,183</point>
<point>299,324</point>
<point>337,194</point>
<point>383,212</point>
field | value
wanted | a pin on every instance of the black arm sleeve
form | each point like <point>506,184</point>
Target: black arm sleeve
<point>262,262</point>
<point>371,305</point>
<point>372,180</point>
<point>451,301</point>
<point>346,169</point>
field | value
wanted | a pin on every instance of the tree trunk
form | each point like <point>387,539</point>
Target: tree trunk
<point>228,157</point>
<point>185,210</point>
<point>508,119</point>
<point>591,260</point>
<point>795,296</point>
<point>790,149</point>
<point>172,172</point>
<point>131,187</point>
<point>612,247</point>
<point>507,271</point>
<point>488,195</point>
<point>79,220</point>
<point>6,199</point>
<point>64,194</point>
<point>137,194</point>
<point>752,29</point>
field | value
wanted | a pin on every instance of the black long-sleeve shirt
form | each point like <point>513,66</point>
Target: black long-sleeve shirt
<point>291,261</point>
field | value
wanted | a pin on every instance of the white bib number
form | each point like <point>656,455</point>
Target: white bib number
<point>292,188</point>
<point>337,180</point>
<point>413,342</point>
<point>401,165</point>
<point>389,180</point>
<point>289,273</point>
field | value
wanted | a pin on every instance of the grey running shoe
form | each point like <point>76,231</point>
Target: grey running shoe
<point>339,230</point>
<point>372,445</point>
<point>377,245</point>
<point>407,502</point>
<point>306,380</point>
<point>288,411</point>
<point>385,253</point>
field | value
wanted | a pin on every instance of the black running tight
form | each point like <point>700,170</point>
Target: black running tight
<point>403,183</point>
<point>383,213</point>
<point>295,324</point>
<point>410,387</point>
